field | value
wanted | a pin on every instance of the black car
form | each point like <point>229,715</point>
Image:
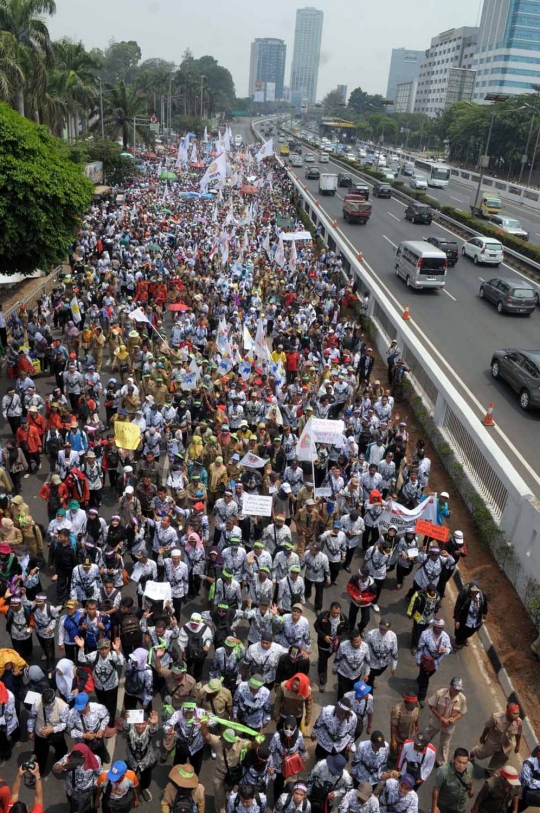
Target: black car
<point>361,189</point>
<point>509,295</point>
<point>344,180</point>
<point>521,369</point>
<point>313,174</point>
<point>419,213</point>
<point>381,189</point>
<point>450,247</point>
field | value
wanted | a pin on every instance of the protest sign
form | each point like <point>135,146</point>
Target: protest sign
<point>323,492</point>
<point>135,716</point>
<point>158,591</point>
<point>325,431</point>
<point>127,435</point>
<point>438,532</point>
<point>403,518</point>
<point>252,461</point>
<point>257,506</point>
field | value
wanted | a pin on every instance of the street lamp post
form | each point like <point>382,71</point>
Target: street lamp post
<point>525,156</point>
<point>101,109</point>
<point>533,157</point>
<point>484,159</point>
<point>202,93</point>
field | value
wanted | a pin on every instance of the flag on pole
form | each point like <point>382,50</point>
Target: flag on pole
<point>261,348</point>
<point>293,257</point>
<point>279,256</point>
<point>217,171</point>
<point>205,136</point>
<point>305,448</point>
<point>75,310</point>
<point>247,340</point>
<point>266,150</point>
<point>138,316</point>
<point>194,153</point>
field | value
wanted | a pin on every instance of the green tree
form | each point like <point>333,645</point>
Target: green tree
<point>122,104</point>
<point>364,130</point>
<point>120,61</point>
<point>44,195</point>
<point>28,44</point>
<point>363,102</point>
<point>72,89</point>
<point>332,104</point>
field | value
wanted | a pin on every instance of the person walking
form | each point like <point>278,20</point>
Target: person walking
<point>403,722</point>
<point>501,735</point>
<point>470,609</point>
<point>453,784</point>
<point>433,646</point>
<point>383,650</point>
<point>447,706</point>
<point>500,792</point>
<point>352,663</point>
<point>330,627</point>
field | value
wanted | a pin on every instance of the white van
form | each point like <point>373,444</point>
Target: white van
<point>421,265</point>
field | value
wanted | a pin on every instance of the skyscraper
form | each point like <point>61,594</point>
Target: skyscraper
<point>404,66</point>
<point>267,64</point>
<point>507,59</point>
<point>307,49</point>
<point>446,74</point>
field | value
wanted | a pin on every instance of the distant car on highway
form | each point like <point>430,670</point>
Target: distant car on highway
<point>520,369</point>
<point>509,225</point>
<point>450,247</point>
<point>382,189</point>
<point>350,156</point>
<point>418,182</point>
<point>509,295</point>
<point>324,158</point>
<point>419,213</point>
<point>344,180</point>
<point>309,158</point>
<point>313,174</point>
<point>485,250</point>
<point>361,189</point>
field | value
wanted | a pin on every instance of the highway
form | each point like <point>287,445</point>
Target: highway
<point>460,330</point>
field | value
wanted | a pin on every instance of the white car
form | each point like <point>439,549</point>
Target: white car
<point>324,158</point>
<point>418,182</point>
<point>309,158</point>
<point>484,250</point>
<point>381,161</point>
<point>351,156</point>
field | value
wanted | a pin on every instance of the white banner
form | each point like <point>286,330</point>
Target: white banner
<point>296,235</point>
<point>252,461</point>
<point>216,171</point>
<point>323,492</point>
<point>325,431</point>
<point>305,448</point>
<point>158,591</point>
<point>257,506</point>
<point>403,518</point>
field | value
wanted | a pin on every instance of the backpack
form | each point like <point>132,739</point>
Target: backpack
<point>183,802</point>
<point>113,458</point>
<point>130,631</point>
<point>54,498</point>
<point>194,648</point>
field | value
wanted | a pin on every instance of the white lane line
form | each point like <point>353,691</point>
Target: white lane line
<point>538,235</point>
<point>340,196</point>
<point>481,279</point>
<point>395,218</point>
<point>391,243</point>
<point>395,200</point>
<point>450,371</point>
<point>460,200</point>
<point>450,295</point>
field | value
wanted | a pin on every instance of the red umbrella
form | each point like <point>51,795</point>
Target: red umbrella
<point>198,165</point>
<point>178,306</point>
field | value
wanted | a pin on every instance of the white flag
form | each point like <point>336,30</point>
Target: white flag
<point>305,448</point>
<point>217,171</point>
<point>205,136</point>
<point>261,348</point>
<point>247,340</point>
<point>194,153</point>
<point>279,256</point>
<point>266,150</point>
<point>292,257</point>
<point>75,310</point>
<point>138,315</point>
<point>182,157</point>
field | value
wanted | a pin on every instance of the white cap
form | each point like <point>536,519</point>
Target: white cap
<point>196,618</point>
<point>176,552</point>
<point>286,488</point>
<point>129,490</point>
<point>445,494</point>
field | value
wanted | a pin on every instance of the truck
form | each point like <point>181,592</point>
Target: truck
<point>327,184</point>
<point>356,209</point>
<point>488,204</point>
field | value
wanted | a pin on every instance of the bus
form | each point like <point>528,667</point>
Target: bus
<point>438,174</point>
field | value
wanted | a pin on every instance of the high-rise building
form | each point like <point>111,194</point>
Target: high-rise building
<point>507,59</point>
<point>267,65</point>
<point>446,74</point>
<point>405,96</point>
<point>404,67</point>
<point>342,90</point>
<point>307,49</point>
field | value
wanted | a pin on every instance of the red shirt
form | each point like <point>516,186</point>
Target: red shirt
<point>293,361</point>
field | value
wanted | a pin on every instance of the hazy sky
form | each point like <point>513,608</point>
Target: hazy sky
<point>358,36</point>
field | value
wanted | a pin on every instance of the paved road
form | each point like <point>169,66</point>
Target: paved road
<point>482,690</point>
<point>460,329</point>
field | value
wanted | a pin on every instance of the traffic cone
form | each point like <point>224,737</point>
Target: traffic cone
<point>489,420</point>
<point>406,313</point>
<point>360,256</point>
<point>334,224</point>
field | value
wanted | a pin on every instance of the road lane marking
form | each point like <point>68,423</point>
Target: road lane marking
<point>395,218</point>
<point>481,279</point>
<point>460,200</point>
<point>450,371</point>
<point>450,295</point>
<point>391,243</point>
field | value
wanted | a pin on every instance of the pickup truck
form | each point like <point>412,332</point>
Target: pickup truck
<point>327,184</point>
<point>356,209</point>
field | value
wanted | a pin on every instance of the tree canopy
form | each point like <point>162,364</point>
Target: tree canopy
<point>43,195</point>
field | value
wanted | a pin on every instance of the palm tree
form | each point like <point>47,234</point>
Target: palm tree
<point>122,104</point>
<point>11,74</point>
<point>29,43</point>
<point>72,87</point>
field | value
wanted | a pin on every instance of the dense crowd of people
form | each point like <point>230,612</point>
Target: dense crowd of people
<point>164,385</point>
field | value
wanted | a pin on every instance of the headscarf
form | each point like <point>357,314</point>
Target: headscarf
<point>35,674</point>
<point>305,684</point>
<point>90,761</point>
<point>4,694</point>
<point>142,657</point>
<point>198,544</point>
<point>64,682</point>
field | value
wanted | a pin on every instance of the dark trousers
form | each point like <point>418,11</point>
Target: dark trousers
<point>47,645</point>
<point>63,586</point>
<point>182,756</point>
<point>14,423</point>
<point>108,699</point>
<point>369,537</point>
<point>74,402</point>
<point>131,702</point>
<point>401,574</point>
<point>42,746</point>
<point>423,682</point>
<point>71,652</point>
<point>177,606</point>
<point>365,613</point>
<point>444,578</point>
<point>23,648</point>
<point>463,633</point>
<point>374,673</point>
<point>417,631</point>
<point>195,668</point>
<point>319,587</point>
<point>145,778</point>
<point>378,588</point>
<point>344,685</point>
<point>5,746</point>
<point>334,571</point>
<point>322,665</point>
<point>349,556</point>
